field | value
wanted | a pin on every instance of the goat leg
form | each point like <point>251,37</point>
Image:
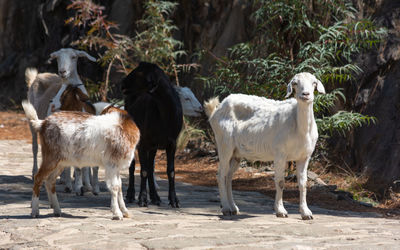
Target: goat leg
<point>143,156</point>
<point>155,199</point>
<point>130,194</point>
<point>173,199</point>
<point>95,180</point>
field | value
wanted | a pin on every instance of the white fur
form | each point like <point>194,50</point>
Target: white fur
<point>261,129</point>
<point>67,60</point>
<point>100,106</point>
<point>72,140</point>
<point>190,105</point>
<point>41,88</point>
<point>44,86</point>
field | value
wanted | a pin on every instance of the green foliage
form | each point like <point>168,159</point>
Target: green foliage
<point>98,36</point>
<point>153,43</point>
<point>342,121</point>
<point>293,36</point>
<point>322,103</point>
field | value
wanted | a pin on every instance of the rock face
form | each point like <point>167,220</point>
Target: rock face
<point>376,149</point>
<point>31,29</point>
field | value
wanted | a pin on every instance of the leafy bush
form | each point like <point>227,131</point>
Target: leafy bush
<point>153,42</point>
<point>293,36</point>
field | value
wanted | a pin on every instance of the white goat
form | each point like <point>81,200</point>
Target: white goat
<point>260,129</point>
<point>81,139</point>
<point>41,89</point>
<point>67,60</point>
<point>190,105</point>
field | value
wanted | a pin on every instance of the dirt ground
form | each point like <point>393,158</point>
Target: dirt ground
<point>85,221</point>
<point>202,171</point>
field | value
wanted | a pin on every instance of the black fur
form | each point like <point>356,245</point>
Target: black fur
<point>155,107</point>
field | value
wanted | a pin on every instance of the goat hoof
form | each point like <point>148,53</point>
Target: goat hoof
<point>82,191</point>
<point>235,212</point>
<point>226,212</point>
<point>129,199</point>
<point>142,203</point>
<point>175,204</point>
<point>88,188</point>
<point>126,215</point>
<point>117,217</point>
<point>307,217</point>
<point>156,202</point>
<point>57,214</point>
<point>96,191</point>
<point>35,215</point>
<point>67,190</point>
<point>281,215</point>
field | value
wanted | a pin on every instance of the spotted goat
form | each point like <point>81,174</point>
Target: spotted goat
<point>71,138</point>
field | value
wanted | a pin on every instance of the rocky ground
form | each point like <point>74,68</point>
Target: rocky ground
<point>86,220</point>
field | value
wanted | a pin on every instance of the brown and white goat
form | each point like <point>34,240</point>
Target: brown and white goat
<point>72,98</point>
<point>80,139</point>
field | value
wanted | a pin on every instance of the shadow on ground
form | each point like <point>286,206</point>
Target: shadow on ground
<point>205,200</point>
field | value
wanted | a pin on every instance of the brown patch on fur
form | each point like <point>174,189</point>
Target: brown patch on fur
<point>128,132</point>
<point>73,99</point>
<point>49,164</point>
<point>129,126</point>
<point>71,115</point>
<point>111,109</point>
<point>50,132</point>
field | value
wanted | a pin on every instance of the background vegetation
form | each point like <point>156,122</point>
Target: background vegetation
<point>287,37</point>
<point>292,36</point>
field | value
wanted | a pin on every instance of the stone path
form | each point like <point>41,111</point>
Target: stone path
<point>86,221</point>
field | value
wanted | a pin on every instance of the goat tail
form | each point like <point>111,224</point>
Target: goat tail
<point>210,106</point>
<point>30,76</point>
<point>31,114</point>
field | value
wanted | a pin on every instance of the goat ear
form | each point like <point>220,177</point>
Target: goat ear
<point>320,87</point>
<point>84,54</point>
<point>52,56</point>
<point>289,88</point>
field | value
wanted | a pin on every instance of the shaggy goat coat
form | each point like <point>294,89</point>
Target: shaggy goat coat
<point>80,139</point>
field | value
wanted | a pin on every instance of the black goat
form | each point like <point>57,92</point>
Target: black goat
<point>158,114</point>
